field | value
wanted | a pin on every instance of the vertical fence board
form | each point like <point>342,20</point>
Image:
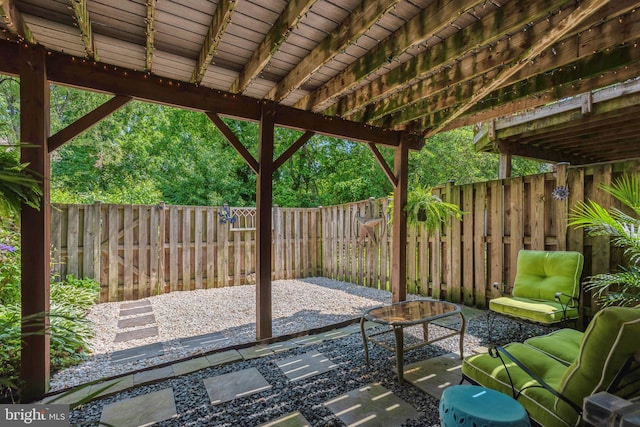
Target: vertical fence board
<point>497,247</point>
<point>174,235</point>
<point>467,242</point>
<point>113,253</point>
<point>211,247</point>
<point>455,240</point>
<point>143,252</point>
<point>516,238</point>
<point>73,228</point>
<point>198,234</point>
<point>479,245</point>
<point>186,248</point>
<point>537,217</point>
<point>127,252</point>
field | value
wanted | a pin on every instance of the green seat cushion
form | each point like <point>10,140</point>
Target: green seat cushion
<point>563,344</point>
<point>490,372</point>
<point>546,312</point>
<point>540,274</point>
<point>610,339</point>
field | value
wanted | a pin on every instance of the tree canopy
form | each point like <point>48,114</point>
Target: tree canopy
<point>147,153</point>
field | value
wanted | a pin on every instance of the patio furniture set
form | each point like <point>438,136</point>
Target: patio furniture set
<point>547,380</point>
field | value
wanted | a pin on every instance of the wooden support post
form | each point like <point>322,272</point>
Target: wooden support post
<point>35,225</point>
<point>504,167</point>
<point>399,237</point>
<point>264,196</point>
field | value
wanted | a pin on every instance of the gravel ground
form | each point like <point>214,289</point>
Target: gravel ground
<point>297,305</point>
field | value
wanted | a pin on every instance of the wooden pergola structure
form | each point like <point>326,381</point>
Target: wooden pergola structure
<point>382,72</point>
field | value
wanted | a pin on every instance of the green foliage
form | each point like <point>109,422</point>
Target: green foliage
<point>427,209</point>
<point>17,185</point>
<point>70,300</point>
<point>623,228</point>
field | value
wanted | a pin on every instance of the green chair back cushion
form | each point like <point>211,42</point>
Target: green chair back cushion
<point>563,344</point>
<point>543,273</point>
<point>610,339</point>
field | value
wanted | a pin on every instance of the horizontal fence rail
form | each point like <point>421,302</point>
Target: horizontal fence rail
<point>139,250</point>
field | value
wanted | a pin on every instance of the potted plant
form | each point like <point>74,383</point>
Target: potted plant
<point>623,286</point>
<point>424,207</point>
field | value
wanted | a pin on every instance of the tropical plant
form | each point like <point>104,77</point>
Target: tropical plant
<point>424,207</point>
<point>17,185</point>
<point>623,286</point>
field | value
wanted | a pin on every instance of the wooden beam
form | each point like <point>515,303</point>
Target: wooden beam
<point>15,22</point>
<point>292,149</point>
<point>431,20</point>
<point>350,29</point>
<point>399,231</point>
<point>234,141</point>
<point>81,14</point>
<point>264,201</point>
<point>292,14</point>
<point>509,18</point>
<point>9,54</point>
<point>537,153</point>
<point>86,121</point>
<point>571,20</point>
<point>221,19</point>
<point>70,71</point>
<point>383,164</point>
<point>422,98</point>
<point>35,226</point>
<point>151,35</point>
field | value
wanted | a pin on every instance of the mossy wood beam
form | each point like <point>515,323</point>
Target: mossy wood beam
<point>431,20</point>
<point>350,29</point>
<point>15,22</point>
<point>217,27</point>
<point>603,69</point>
<point>304,138</point>
<point>151,35</point>
<point>234,141</point>
<point>293,12</point>
<point>86,121</point>
<point>81,14</point>
<point>66,70</point>
<point>570,21</point>
<point>507,19</point>
<point>407,105</point>
<point>383,164</point>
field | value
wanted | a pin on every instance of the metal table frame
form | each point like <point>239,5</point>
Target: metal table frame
<point>396,326</point>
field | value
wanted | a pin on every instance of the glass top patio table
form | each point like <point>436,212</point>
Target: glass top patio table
<point>408,313</point>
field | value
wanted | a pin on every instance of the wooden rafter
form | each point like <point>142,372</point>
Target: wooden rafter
<point>219,23</point>
<point>350,29</point>
<point>293,12</point>
<point>151,34</point>
<point>15,22</point>
<point>81,15</point>
<point>508,19</point>
<point>568,23</point>
<point>472,72</point>
<point>527,151</point>
<point>433,19</point>
<point>86,121</point>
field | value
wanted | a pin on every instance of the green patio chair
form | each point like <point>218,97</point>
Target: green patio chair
<point>551,391</point>
<point>546,289</point>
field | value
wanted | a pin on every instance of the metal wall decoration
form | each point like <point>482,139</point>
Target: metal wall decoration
<point>369,228</point>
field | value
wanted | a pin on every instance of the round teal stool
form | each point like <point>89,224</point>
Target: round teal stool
<point>475,406</point>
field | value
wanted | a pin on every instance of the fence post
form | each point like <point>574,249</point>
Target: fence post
<point>561,205</point>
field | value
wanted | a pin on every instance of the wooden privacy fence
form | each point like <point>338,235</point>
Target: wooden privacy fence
<point>474,259</point>
<point>135,251</point>
<point>139,250</point>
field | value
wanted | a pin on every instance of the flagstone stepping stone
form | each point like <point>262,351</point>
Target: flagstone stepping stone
<point>435,374</point>
<point>223,388</point>
<point>134,304</point>
<point>372,405</point>
<point>136,310</point>
<point>203,340</point>
<point>294,419</point>
<point>136,334</point>
<point>144,410</point>
<point>305,365</point>
<point>132,322</point>
<point>136,353</point>
<point>157,374</point>
<point>266,350</point>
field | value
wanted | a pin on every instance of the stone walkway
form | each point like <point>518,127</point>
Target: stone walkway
<point>372,405</point>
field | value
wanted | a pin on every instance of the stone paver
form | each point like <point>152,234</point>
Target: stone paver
<point>192,365</point>
<point>153,375</point>
<point>223,388</point>
<point>305,365</point>
<point>294,419</point>
<point>372,405</point>
<point>136,310</point>
<point>136,334</point>
<point>131,322</point>
<point>203,340</point>
<point>266,349</point>
<point>224,357</point>
<point>136,353</point>
<point>134,304</point>
<point>144,410</point>
<point>434,375</point>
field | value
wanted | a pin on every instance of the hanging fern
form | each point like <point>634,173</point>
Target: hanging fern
<point>17,185</point>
